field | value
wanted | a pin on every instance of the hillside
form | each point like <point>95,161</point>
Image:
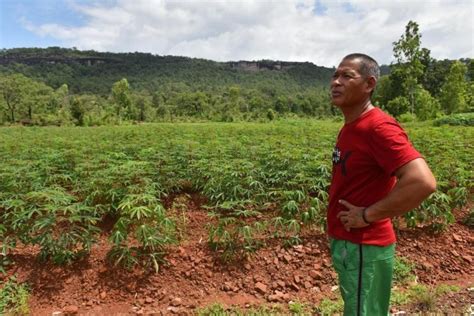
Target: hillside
<point>94,72</point>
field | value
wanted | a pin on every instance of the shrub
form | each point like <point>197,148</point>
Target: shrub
<point>407,117</point>
<point>143,218</point>
<point>459,119</point>
<point>434,211</point>
<point>271,115</point>
<point>425,297</point>
<point>235,236</point>
<point>469,220</point>
<point>398,105</point>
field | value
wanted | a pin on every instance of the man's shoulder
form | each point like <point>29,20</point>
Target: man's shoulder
<point>380,118</point>
<point>375,122</point>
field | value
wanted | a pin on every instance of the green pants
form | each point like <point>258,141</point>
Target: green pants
<point>365,277</point>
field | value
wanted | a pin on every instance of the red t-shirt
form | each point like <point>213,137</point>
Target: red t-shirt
<point>368,152</point>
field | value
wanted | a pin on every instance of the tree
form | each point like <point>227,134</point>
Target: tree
<point>427,107</point>
<point>59,99</point>
<point>470,97</point>
<point>271,114</point>
<point>280,104</point>
<point>143,108</point>
<point>37,97</point>
<point>22,96</point>
<point>384,92</point>
<point>398,106</point>
<point>470,70</point>
<point>409,57</point>
<point>470,88</point>
<point>453,92</point>
<point>13,89</point>
<point>121,97</point>
<point>231,104</point>
<point>77,111</point>
<point>435,76</point>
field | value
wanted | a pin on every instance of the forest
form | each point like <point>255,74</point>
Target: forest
<point>63,87</point>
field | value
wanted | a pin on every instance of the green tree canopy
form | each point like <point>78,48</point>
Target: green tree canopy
<point>409,55</point>
<point>454,91</point>
<point>122,98</point>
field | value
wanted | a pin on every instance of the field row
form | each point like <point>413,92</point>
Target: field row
<point>261,180</point>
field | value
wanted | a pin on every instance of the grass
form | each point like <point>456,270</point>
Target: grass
<point>218,309</point>
<point>330,307</point>
<point>299,308</point>
<point>421,298</point>
<point>418,297</point>
<point>292,308</point>
<point>14,298</point>
<point>178,212</point>
<point>403,271</point>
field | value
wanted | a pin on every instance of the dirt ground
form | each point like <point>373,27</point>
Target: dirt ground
<point>195,277</point>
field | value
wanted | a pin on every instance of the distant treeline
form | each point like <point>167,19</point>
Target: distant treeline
<point>58,86</point>
<point>94,72</point>
<point>68,86</point>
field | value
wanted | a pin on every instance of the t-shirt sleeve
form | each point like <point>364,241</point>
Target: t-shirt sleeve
<point>391,148</point>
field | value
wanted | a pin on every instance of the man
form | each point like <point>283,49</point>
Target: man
<point>377,175</point>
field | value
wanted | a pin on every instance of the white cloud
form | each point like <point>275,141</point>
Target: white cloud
<point>268,29</point>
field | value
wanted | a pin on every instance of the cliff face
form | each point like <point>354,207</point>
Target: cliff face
<point>251,66</point>
<point>35,60</point>
<point>262,65</point>
<point>57,55</point>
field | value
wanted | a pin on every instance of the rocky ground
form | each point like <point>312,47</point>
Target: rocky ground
<point>195,276</point>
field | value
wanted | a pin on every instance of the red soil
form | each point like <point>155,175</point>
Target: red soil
<point>195,277</point>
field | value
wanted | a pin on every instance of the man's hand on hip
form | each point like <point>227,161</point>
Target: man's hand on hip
<point>353,217</point>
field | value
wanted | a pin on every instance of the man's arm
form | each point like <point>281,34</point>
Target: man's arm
<point>415,183</point>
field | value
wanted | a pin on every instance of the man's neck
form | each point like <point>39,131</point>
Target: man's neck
<point>354,112</point>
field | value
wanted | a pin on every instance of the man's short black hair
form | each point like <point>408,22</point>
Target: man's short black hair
<point>368,65</point>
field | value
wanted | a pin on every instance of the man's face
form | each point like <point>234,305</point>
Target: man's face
<point>348,87</point>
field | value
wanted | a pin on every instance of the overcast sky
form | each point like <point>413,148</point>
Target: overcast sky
<point>319,31</point>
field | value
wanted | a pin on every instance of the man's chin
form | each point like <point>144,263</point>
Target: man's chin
<point>336,102</point>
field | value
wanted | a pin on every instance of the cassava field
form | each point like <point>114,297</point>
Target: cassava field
<point>210,219</point>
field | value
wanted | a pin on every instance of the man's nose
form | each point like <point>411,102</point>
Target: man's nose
<point>335,82</point>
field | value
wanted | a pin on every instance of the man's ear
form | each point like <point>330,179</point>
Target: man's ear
<point>371,83</point>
